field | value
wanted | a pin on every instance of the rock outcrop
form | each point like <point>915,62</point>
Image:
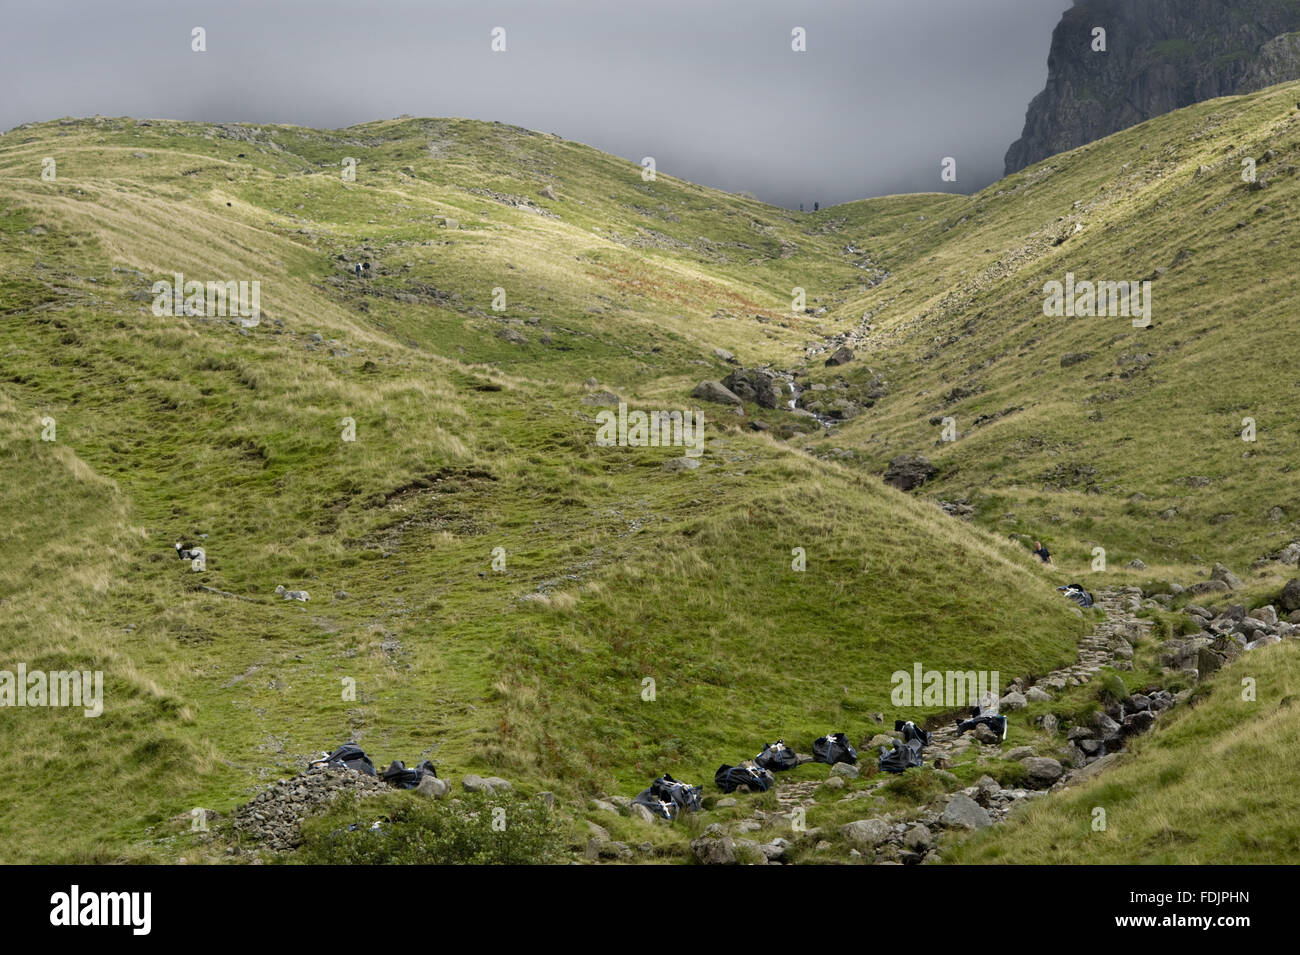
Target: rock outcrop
<point>1160,55</point>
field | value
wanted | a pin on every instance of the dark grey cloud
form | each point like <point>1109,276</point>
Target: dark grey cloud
<point>712,90</point>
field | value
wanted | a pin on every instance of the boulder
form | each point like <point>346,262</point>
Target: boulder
<point>909,471</point>
<point>716,392</point>
<point>1013,701</point>
<point>1264,640</point>
<point>1136,723</point>
<point>1221,573</point>
<point>1265,615</point>
<point>432,786</point>
<point>918,838</point>
<point>1105,727</point>
<point>753,384</point>
<point>866,832</point>
<point>986,788</point>
<point>985,735</point>
<point>1043,770</point>
<point>847,770</point>
<point>841,356</point>
<point>1037,695</point>
<point>477,784</point>
<point>962,812</point>
<point>1289,599</point>
<point>714,850</point>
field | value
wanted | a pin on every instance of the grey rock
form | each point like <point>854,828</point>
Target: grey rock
<point>962,812</point>
<point>757,385</point>
<point>1289,599</point>
<point>866,832</point>
<point>1136,723</point>
<point>1221,573</point>
<point>433,787</point>
<point>918,838</point>
<point>716,392</point>
<point>1012,701</point>
<point>909,471</point>
<point>986,735</point>
<point>841,356</point>
<point>710,850</point>
<point>1105,727</point>
<point>1043,770</point>
<point>677,465</point>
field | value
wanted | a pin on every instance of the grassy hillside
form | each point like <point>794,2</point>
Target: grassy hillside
<point>475,437</point>
<point>474,431</point>
<point>1087,431</point>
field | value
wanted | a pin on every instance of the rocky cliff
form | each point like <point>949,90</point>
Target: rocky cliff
<point>1160,55</point>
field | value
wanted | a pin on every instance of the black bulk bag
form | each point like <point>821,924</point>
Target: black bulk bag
<point>668,798</point>
<point>399,777</point>
<point>995,722</point>
<point>731,778</point>
<point>777,757</point>
<point>657,806</point>
<point>348,756</point>
<point>685,797</point>
<point>834,748</point>
<point>1077,594</point>
<point>907,753</point>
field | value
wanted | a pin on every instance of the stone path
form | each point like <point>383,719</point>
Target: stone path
<point>907,837</point>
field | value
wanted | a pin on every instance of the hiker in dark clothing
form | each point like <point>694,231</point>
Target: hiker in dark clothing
<point>1041,552</point>
<point>358,270</point>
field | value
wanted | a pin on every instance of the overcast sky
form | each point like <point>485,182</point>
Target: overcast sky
<point>710,88</point>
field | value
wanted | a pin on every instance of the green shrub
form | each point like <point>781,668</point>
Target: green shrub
<point>915,785</point>
<point>1010,775</point>
<point>1112,689</point>
<point>472,829</point>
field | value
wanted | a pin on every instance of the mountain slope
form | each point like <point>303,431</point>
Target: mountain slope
<point>1088,432</point>
<point>475,429</point>
<point>473,433</point>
